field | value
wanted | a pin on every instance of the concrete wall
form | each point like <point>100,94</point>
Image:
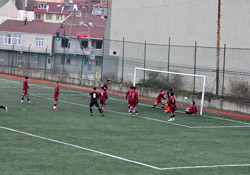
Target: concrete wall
<point>184,21</point>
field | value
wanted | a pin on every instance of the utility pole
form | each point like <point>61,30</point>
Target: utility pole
<point>218,48</point>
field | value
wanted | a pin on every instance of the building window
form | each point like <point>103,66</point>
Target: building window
<point>69,8</point>
<point>38,16</point>
<point>39,42</point>
<point>42,6</point>
<point>7,39</point>
<point>1,38</point>
<point>84,44</point>
<point>35,58</point>
<point>66,43</point>
<point>48,16</point>
<point>19,58</point>
<point>1,56</point>
<point>16,39</point>
<point>78,14</point>
<point>10,39</point>
<point>99,10</point>
<point>58,17</point>
<point>98,44</point>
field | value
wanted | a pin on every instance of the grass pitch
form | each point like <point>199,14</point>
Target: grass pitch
<point>37,140</point>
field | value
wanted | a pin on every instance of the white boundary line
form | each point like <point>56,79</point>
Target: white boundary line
<point>121,158</point>
<point>191,127</point>
<point>83,148</point>
<point>211,166</point>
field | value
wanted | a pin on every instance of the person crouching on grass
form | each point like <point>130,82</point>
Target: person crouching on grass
<point>192,110</point>
<point>94,101</point>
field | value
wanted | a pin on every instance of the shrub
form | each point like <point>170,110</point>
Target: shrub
<point>239,89</point>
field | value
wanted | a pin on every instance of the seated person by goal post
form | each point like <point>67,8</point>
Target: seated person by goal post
<point>188,85</point>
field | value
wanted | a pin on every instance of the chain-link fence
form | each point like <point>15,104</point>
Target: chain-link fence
<point>117,60</point>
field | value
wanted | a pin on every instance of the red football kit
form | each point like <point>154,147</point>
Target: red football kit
<point>133,98</point>
<point>56,94</point>
<point>160,97</point>
<point>25,87</point>
<point>192,110</point>
<point>103,96</point>
<point>171,104</point>
<point>128,94</point>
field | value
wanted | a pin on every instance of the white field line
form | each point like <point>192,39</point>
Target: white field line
<point>218,127</point>
<point>152,119</point>
<point>211,166</point>
<point>83,148</point>
<point>218,118</point>
<point>120,158</point>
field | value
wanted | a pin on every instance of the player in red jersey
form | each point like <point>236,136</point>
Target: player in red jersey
<point>172,106</point>
<point>192,110</point>
<point>168,95</point>
<point>160,99</point>
<point>128,94</point>
<point>56,95</point>
<point>133,101</point>
<point>103,96</point>
<point>25,90</point>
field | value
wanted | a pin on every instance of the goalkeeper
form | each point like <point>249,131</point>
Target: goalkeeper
<point>192,110</point>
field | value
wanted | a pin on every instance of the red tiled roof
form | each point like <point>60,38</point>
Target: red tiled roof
<point>55,7</point>
<point>85,18</point>
<point>104,4</point>
<point>95,32</point>
<point>30,27</point>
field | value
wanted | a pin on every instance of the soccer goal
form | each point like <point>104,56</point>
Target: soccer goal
<point>175,73</point>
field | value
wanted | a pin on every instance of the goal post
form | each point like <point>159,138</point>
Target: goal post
<point>176,73</point>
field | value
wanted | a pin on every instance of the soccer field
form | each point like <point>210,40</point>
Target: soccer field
<point>35,140</point>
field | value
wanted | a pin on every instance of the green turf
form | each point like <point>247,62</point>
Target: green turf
<point>149,139</point>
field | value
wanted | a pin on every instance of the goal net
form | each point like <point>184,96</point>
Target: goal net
<point>186,86</point>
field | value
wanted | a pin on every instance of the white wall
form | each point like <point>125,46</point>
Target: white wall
<point>185,21</point>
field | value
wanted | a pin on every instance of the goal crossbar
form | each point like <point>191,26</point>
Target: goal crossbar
<point>177,73</point>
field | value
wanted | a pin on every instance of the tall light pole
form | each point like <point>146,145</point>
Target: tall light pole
<point>218,48</point>
<point>88,26</point>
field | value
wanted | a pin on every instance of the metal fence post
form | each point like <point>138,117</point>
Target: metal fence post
<point>29,60</point>
<point>102,57</point>
<point>82,65</point>
<point>63,56</point>
<point>168,58</point>
<point>12,59</point>
<point>195,49</point>
<point>45,62</point>
<point>145,56</point>
<point>123,47</point>
<point>224,63</point>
